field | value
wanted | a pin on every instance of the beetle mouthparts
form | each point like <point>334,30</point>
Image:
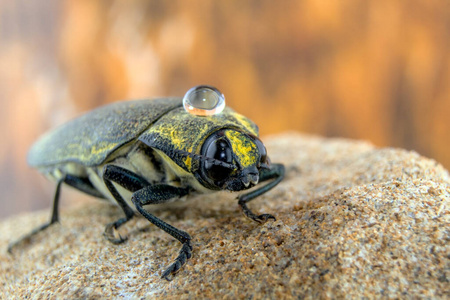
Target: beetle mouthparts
<point>250,178</point>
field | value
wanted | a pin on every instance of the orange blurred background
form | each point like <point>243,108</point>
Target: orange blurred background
<point>372,70</point>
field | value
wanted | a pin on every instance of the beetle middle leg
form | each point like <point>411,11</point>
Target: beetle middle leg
<point>275,172</point>
<point>129,181</point>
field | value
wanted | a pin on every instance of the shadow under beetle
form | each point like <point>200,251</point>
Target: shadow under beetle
<point>145,152</point>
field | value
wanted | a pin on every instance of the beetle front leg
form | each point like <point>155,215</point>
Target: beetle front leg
<point>276,172</point>
<point>160,193</point>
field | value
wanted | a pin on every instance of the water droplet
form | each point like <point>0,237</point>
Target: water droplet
<point>204,100</point>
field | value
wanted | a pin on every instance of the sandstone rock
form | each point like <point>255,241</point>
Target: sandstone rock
<point>353,220</point>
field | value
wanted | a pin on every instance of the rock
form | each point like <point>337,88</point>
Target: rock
<point>353,221</point>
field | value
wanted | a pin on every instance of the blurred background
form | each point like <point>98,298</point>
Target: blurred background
<point>372,70</point>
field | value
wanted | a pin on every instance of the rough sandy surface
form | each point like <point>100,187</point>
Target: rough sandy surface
<point>352,221</point>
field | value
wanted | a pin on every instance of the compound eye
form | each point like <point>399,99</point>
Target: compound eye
<point>220,151</point>
<point>262,151</point>
<point>204,100</point>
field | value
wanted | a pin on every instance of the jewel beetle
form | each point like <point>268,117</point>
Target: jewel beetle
<point>137,153</point>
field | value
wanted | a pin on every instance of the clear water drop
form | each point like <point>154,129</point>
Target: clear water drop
<point>204,100</point>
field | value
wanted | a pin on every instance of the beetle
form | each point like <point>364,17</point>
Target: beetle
<point>136,153</point>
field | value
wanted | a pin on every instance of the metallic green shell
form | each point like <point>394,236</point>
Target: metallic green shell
<point>91,138</point>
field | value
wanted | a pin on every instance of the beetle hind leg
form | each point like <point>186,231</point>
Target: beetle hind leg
<point>53,219</point>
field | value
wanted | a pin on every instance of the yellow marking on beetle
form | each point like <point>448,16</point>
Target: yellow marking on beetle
<point>175,137</point>
<point>102,148</point>
<point>246,123</point>
<point>188,162</point>
<point>243,147</point>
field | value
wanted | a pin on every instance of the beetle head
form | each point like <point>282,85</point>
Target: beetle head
<point>231,160</point>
